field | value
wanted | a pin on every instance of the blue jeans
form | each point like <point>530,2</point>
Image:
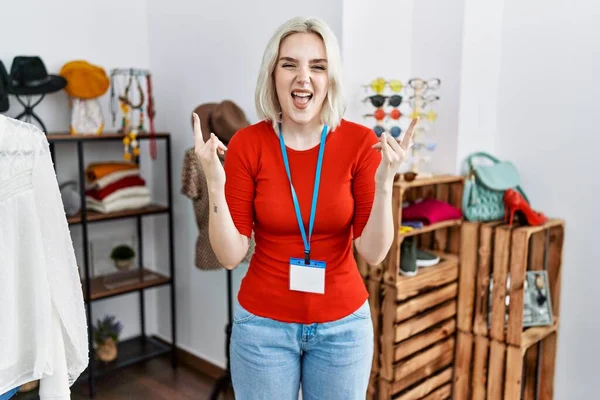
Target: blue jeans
<point>269,359</point>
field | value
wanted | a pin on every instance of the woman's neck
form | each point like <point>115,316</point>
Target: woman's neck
<point>301,136</point>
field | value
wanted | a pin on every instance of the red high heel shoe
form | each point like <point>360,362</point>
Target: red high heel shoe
<point>514,201</point>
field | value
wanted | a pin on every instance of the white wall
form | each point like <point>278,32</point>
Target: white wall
<point>403,39</point>
<point>481,58</point>
<point>377,42</point>
<point>549,91</point>
<point>436,53</point>
<point>60,31</point>
<point>204,52</point>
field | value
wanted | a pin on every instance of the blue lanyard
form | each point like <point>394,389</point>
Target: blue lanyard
<point>313,209</point>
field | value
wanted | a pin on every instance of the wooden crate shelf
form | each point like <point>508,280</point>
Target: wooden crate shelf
<point>503,254</point>
<point>498,253</point>
<point>414,318</point>
<point>418,326</point>
<point>486,369</point>
<point>443,236</point>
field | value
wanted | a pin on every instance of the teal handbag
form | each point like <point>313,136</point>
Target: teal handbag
<point>483,196</point>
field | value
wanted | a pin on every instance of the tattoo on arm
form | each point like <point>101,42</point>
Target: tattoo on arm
<point>215,208</point>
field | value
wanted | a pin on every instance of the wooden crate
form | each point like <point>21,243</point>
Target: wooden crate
<point>502,254</point>
<point>375,295</point>
<point>443,236</point>
<point>486,369</point>
<point>418,322</point>
<point>414,318</point>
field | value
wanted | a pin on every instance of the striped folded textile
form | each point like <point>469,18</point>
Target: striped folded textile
<point>127,182</point>
<point>118,204</point>
<point>113,177</point>
<point>95,171</point>
<point>120,189</point>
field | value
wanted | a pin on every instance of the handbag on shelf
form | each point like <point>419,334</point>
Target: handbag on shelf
<point>483,197</point>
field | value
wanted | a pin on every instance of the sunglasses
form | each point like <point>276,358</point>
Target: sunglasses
<point>378,85</point>
<point>429,115</point>
<point>379,100</point>
<point>395,131</point>
<point>380,114</point>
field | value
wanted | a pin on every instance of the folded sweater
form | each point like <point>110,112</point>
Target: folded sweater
<point>96,171</point>
<point>123,183</point>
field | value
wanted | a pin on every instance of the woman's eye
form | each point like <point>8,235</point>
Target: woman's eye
<point>287,65</point>
<point>320,67</point>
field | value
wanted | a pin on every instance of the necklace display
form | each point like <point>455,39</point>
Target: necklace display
<point>129,107</point>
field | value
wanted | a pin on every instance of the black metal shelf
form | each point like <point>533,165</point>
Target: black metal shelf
<point>141,348</point>
<point>94,216</point>
<point>130,352</point>
<point>56,137</point>
<point>129,282</point>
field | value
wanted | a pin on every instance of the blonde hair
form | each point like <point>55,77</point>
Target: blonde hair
<point>267,103</point>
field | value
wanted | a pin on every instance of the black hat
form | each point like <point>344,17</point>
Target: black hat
<point>4,86</point>
<point>30,77</point>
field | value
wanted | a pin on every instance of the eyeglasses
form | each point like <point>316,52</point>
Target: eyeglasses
<point>378,85</point>
<point>424,146</point>
<point>423,101</point>
<point>378,100</point>
<point>380,114</point>
<point>395,131</point>
<point>431,84</point>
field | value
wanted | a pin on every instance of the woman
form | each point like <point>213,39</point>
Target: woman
<point>302,311</point>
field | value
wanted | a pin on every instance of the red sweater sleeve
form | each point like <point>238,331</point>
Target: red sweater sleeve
<point>239,183</point>
<point>363,183</point>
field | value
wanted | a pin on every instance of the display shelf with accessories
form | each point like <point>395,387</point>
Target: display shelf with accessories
<point>115,191</point>
<point>414,292</point>
<point>509,297</point>
<point>433,205</point>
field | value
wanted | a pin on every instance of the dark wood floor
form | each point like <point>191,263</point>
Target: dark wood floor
<point>152,380</point>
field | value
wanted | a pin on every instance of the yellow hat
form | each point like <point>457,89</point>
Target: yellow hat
<point>84,80</point>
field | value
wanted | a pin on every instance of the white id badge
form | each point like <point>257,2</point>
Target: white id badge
<point>307,277</point>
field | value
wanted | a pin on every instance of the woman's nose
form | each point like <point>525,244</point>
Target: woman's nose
<point>303,76</point>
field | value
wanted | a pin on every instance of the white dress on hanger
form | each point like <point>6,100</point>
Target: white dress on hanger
<point>43,329</point>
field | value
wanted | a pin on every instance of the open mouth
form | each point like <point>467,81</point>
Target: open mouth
<point>301,98</point>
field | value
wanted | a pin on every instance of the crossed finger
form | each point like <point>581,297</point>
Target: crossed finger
<point>213,141</point>
<point>216,144</point>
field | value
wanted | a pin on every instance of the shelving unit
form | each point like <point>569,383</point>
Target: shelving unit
<point>143,347</point>
<point>414,318</point>
<point>496,356</point>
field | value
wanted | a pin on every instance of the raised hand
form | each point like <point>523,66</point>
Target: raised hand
<point>393,154</point>
<point>207,153</point>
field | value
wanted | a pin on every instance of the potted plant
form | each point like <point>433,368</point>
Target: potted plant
<point>122,256</point>
<point>106,338</point>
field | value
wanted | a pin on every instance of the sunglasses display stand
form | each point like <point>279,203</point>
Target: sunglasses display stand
<point>406,102</point>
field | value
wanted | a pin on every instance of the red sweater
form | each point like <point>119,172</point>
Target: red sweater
<point>259,198</point>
